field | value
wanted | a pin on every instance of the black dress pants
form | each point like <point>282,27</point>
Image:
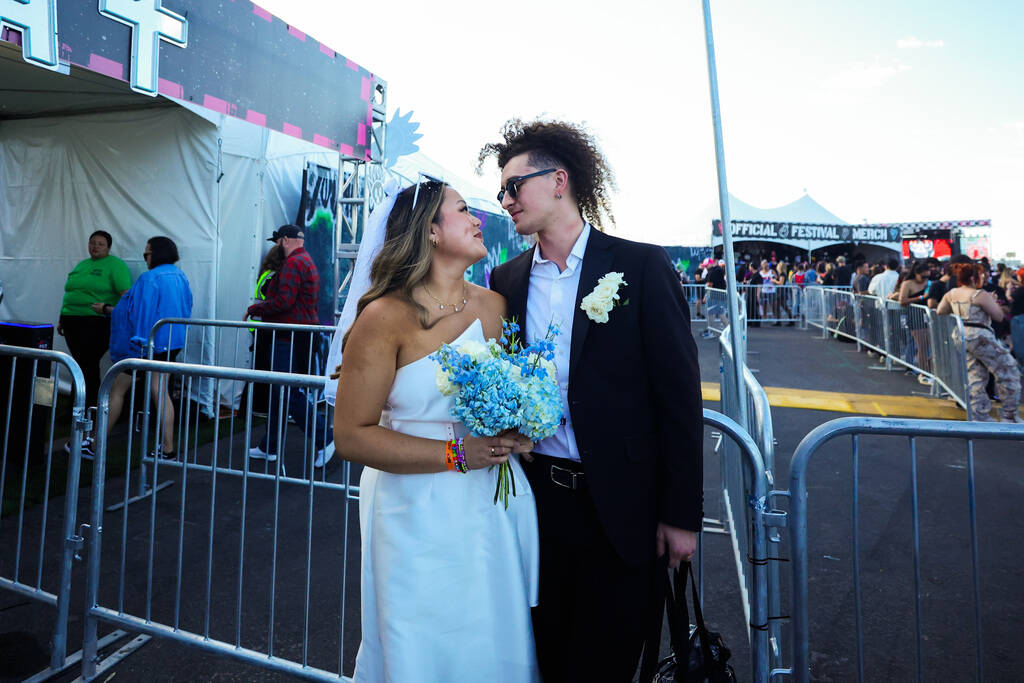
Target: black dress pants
<point>593,607</point>
<point>87,337</point>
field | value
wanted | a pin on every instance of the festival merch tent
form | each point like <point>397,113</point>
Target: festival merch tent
<point>803,223</point>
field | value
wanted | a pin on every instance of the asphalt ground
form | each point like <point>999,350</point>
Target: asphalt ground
<point>781,357</point>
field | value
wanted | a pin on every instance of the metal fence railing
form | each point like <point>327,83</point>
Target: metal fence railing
<point>907,640</point>
<point>736,489</point>
<point>949,358</point>
<point>772,304</point>
<point>753,519</point>
<point>238,344</point>
<point>717,312</point>
<point>154,568</point>
<point>694,295</point>
<point>234,343</point>
<point>38,530</point>
<point>914,337</point>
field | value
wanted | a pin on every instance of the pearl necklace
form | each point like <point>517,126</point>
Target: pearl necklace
<point>444,304</point>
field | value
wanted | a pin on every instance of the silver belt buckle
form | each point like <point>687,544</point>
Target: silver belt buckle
<point>571,477</point>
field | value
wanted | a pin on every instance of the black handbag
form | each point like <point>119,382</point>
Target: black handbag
<point>698,655</point>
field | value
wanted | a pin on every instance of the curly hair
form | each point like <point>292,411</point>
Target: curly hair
<point>564,145</point>
<point>967,274</point>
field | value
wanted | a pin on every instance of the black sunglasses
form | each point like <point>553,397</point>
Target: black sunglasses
<point>512,185</point>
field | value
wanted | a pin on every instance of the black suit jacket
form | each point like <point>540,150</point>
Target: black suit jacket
<point>634,392</point>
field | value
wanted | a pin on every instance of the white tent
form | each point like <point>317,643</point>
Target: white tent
<point>216,185</point>
<point>802,223</point>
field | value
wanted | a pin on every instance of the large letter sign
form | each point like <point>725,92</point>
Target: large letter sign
<point>150,23</point>
<point>37,22</point>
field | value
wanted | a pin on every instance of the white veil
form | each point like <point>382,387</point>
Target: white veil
<point>373,239</point>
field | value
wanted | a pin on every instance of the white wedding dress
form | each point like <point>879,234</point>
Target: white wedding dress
<point>448,577</point>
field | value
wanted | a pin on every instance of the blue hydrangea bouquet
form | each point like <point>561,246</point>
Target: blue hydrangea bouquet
<point>501,385</point>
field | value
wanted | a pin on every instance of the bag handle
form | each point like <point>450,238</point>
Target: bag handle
<point>678,624</point>
<point>698,614</point>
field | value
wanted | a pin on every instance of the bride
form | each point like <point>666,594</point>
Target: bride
<point>448,577</point>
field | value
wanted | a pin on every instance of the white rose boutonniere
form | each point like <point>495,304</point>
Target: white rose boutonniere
<point>604,298</point>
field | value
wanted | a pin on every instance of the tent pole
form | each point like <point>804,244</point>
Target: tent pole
<point>735,333</point>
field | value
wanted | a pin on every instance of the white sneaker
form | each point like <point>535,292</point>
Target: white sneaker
<point>260,454</point>
<point>324,455</point>
<point>985,418</point>
<point>1015,418</point>
<point>921,379</point>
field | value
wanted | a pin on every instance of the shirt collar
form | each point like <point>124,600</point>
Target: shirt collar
<point>575,255</point>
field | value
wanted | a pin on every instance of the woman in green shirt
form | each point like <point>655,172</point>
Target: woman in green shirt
<point>101,278</point>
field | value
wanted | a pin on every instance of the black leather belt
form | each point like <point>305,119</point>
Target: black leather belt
<point>565,473</point>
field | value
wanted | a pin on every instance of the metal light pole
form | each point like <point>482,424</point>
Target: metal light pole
<point>739,348</point>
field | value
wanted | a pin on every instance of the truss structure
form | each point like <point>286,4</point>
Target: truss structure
<point>360,188</point>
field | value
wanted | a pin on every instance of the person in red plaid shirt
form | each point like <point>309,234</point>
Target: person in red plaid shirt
<point>292,298</point>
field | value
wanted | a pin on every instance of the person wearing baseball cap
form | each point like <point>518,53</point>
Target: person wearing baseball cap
<point>292,297</point>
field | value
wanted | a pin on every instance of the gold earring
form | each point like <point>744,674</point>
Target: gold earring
<point>433,242</point>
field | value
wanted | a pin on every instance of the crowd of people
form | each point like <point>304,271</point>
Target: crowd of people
<point>103,309</point>
<point>989,300</point>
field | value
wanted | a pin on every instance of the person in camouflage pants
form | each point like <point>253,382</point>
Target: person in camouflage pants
<point>987,354</point>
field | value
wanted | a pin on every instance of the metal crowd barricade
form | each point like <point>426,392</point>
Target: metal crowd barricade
<point>37,529</point>
<point>839,313</point>
<point>717,311</point>
<point>811,446</point>
<point>754,520</point>
<point>949,358</point>
<point>812,308</point>
<point>772,304</point>
<point>736,488</point>
<point>908,340</point>
<point>232,343</point>
<point>694,295</point>
<point>162,570</point>
<point>872,326</point>
<point>914,336</point>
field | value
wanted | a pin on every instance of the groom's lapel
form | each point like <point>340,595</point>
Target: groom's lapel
<point>519,289</point>
<point>597,261</point>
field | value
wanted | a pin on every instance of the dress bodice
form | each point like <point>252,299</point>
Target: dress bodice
<point>415,406</point>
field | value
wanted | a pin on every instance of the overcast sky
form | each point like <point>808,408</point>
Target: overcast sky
<point>882,111</point>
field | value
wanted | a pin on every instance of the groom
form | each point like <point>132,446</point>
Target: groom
<point>620,485</point>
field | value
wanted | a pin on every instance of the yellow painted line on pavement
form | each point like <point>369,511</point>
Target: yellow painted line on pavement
<point>859,404</point>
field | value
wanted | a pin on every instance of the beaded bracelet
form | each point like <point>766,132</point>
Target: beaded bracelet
<point>460,457</point>
<point>455,456</point>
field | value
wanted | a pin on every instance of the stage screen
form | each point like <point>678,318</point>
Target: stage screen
<point>941,249</point>
<point>976,246</point>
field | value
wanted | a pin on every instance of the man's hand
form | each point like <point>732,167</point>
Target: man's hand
<point>245,317</point>
<point>523,444</point>
<point>680,544</point>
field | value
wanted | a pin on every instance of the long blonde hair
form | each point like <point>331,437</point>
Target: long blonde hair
<point>404,258</point>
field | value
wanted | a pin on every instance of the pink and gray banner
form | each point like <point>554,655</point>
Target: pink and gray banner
<point>231,56</point>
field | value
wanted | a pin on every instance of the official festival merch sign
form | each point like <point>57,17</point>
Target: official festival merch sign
<point>798,234</point>
<point>230,56</point>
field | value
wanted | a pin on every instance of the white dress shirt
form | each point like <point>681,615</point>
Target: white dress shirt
<point>552,298</point>
<point>883,284</point>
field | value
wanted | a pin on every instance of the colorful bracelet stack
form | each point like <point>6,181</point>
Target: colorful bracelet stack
<point>455,456</point>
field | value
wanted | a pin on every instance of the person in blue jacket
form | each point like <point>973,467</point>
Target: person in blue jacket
<point>160,292</point>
